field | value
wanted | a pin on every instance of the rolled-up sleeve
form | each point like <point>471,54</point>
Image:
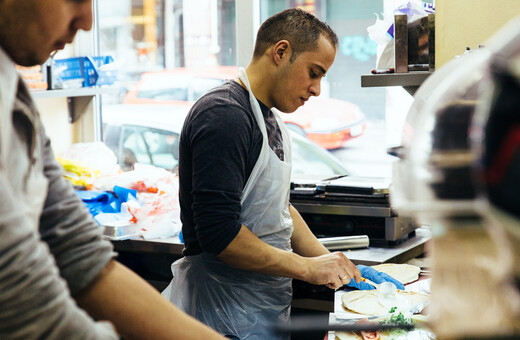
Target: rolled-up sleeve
<point>221,147</point>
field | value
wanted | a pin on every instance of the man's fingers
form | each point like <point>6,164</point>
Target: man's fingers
<point>335,269</point>
<point>345,279</point>
<point>339,282</point>
<point>357,275</point>
<point>348,270</point>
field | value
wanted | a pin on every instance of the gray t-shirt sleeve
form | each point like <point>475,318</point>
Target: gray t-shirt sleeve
<point>35,302</point>
<point>74,238</point>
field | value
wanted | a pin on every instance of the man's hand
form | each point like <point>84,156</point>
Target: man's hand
<point>333,270</point>
<point>374,276</point>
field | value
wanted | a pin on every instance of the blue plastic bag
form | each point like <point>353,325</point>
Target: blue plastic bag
<point>105,201</point>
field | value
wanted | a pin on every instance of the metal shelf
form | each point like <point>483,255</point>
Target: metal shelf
<point>79,92</point>
<point>409,81</point>
<point>77,99</point>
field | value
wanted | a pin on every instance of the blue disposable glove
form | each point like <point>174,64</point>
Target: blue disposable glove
<point>374,276</point>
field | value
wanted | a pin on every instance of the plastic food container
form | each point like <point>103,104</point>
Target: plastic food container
<point>89,71</point>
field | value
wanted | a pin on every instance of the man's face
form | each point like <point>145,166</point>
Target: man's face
<point>31,29</point>
<point>297,81</point>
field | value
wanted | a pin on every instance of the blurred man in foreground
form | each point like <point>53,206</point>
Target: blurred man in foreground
<point>52,256</point>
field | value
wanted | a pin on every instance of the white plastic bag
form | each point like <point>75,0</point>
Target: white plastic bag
<point>95,155</point>
<point>156,212</point>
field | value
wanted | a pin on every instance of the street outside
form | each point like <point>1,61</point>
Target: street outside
<point>366,155</point>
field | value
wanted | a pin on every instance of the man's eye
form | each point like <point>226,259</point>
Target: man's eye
<point>313,74</point>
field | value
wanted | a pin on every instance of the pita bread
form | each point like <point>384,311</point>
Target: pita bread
<point>404,273</point>
<point>366,302</point>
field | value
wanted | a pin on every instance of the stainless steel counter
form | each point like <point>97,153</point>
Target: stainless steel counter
<point>398,253</point>
<point>152,259</point>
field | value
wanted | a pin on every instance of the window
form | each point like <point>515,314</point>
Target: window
<point>167,92</point>
<point>142,144</point>
<point>384,109</point>
<point>200,86</point>
<point>163,48</point>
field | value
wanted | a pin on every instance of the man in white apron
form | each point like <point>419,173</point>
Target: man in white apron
<point>244,242</point>
<point>58,279</point>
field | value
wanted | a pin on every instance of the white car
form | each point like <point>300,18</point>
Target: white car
<point>149,134</point>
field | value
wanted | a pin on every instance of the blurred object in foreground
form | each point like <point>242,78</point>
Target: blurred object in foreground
<point>441,180</point>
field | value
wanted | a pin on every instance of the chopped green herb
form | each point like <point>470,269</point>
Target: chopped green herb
<point>398,319</point>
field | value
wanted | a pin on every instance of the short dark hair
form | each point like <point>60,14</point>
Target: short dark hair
<point>300,28</point>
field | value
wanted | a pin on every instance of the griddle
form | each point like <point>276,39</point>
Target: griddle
<point>348,189</point>
<point>349,205</point>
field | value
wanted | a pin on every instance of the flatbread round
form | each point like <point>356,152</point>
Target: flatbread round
<point>404,273</point>
<point>367,302</point>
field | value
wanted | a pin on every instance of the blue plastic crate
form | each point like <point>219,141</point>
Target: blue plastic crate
<point>88,69</point>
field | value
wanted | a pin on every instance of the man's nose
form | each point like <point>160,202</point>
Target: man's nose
<point>315,89</point>
<point>83,19</point>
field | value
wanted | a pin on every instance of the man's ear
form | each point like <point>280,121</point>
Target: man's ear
<point>281,51</point>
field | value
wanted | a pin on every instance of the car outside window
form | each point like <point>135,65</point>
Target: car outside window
<point>151,146</point>
<point>162,88</point>
<point>201,86</point>
<point>308,158</point>
<point>170,93</point>
<point>199,38</point>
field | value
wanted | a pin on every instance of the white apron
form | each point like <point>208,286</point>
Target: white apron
<point>237,303</point>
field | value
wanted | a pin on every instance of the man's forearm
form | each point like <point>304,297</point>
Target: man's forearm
<point>303,240</point>
<point>248,252</point>
<point>136,309</point>
<point>314,263</point>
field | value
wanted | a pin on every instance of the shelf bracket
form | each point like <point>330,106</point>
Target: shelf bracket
<point>77,106</point>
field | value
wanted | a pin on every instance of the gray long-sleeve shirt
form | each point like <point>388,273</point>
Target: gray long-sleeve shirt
<point>50,247</point>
